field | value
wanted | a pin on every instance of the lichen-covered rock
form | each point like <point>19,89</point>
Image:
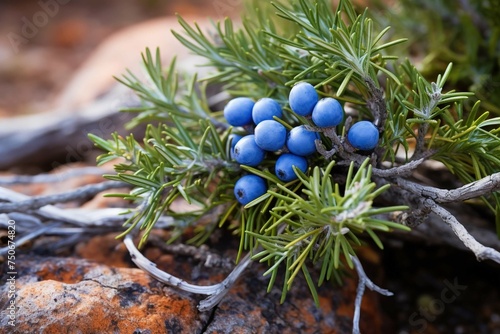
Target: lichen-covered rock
<point>74,295</point>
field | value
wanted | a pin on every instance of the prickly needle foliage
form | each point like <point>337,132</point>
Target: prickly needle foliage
<point>181,158</point>
<point>465,141</point>
<point>310,220</point>
<point>321,224</point>
<point>466,33</point>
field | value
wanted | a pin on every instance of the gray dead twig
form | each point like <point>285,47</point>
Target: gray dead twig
<point>482,252</point>
<point>215,292</point>
<point>406,169</point>
<point>428,199</point>
<point>76,194</point>
<point>53,177</point>
<point>482,187</point>
<point>47,211</point>
<point>364,282</point>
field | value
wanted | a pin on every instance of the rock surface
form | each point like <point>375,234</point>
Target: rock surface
<point>76,295</point>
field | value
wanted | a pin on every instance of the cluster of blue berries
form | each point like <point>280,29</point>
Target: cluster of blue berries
<point>328,112</point>
<point>269,135</point>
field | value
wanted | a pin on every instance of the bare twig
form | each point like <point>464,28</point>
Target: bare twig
<point>426,200</point>
<point>223,287</point>
<point>27,238</point>
<point>216,292</point>
<point>474,189</point>
<point>29,222</point>
<point>405,169</point>
<point>48,211</point>
<point>482,252</point>
<point>91,222</point>
<point>79,193</point>
<point>364,281</point>
<point>51,178</point>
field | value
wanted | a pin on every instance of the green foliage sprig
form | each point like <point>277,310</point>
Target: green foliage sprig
<point>443,31</point>
<point>320,223</point>
<point>311,220</point>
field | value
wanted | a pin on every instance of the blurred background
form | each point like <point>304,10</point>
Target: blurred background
<point>43,43</point>
<point>58,60</point>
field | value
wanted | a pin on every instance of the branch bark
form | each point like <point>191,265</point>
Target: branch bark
<point>475,189</point>
<point>40,201</point>
<point>482,252</point>
<point>52,178</point>
<point>215,292</point>
<point>364,282</point>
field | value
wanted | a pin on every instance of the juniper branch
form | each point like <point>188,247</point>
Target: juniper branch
<point>482,187</point>
<point>344,58</point>
<point>403,170</point>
